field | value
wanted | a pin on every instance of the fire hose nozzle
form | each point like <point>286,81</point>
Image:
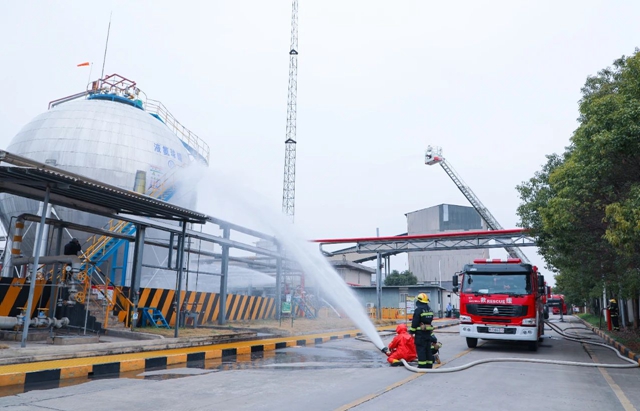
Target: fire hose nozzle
<point>385,350</point>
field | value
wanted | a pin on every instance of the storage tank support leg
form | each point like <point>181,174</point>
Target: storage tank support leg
<point>224,271</point>
<point>179,262</point>
<point>170,256</point>
<point>34,271</point>
<point>53,299</point>
<point>125,263</point>
<point>136,270</point>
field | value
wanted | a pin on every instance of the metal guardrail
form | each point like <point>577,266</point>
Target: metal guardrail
<point>183,133</point>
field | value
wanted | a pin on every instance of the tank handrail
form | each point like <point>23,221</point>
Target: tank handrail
<point>191,139</point>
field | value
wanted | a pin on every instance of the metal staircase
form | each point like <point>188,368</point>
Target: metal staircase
<point>433,155</point>
<point>153,316</point>
<point>101,248</point>
<point>301,305</point>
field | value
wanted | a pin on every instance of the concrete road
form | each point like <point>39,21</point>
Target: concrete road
<point>353,374</point>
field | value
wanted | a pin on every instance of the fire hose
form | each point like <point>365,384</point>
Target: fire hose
<point>555,328</point>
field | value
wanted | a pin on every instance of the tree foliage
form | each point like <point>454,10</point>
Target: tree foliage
<point>403,278</point>
<point>583,206</point>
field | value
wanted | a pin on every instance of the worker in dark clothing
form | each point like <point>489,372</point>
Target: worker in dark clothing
<point>73,247</point>
<point>615,312</point>
<point>422,330</point>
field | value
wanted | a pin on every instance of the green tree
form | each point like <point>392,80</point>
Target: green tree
<point>582,207</point>
<point>404,278</point>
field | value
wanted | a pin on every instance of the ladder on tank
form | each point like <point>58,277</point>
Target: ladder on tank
<point>432,156</point>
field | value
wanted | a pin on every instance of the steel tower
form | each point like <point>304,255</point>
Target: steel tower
<point>289,186</point>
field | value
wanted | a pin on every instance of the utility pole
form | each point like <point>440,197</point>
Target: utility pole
<point>289,186</point>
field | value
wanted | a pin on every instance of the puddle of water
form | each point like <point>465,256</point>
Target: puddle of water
<point>311,358</point>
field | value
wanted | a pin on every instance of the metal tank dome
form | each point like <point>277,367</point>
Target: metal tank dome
<point>111,133</point>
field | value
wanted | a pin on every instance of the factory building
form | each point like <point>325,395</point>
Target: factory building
<point>438,266</point>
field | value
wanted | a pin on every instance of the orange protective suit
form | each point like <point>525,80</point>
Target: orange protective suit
<point>402,347</point>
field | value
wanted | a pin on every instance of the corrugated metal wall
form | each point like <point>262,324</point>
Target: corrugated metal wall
<point>432,265</point>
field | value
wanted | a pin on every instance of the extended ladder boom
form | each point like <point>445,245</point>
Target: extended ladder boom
<point>434,156</point>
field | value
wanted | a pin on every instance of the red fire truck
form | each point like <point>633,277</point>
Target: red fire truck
<point>501,300</point>
<point>557,303</point>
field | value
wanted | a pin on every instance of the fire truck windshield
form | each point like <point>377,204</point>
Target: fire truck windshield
<point>497,283</point>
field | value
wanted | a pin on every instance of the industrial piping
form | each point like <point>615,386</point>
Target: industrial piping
<point>7,323</point>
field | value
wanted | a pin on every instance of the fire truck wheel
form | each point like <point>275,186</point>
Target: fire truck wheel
<point>533,345</point>
<point>472,342</point>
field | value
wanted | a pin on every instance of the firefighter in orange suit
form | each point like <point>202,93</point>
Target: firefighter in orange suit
<point>402,347</point>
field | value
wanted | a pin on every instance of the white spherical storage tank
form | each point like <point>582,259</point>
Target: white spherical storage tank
<point>106,138</point>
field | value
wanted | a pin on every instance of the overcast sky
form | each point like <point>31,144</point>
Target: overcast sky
<point>496,84</point>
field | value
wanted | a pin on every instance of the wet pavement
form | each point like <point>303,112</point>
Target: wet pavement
<point>338,354</point>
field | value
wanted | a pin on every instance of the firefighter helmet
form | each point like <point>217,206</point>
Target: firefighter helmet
<point>613,300</point>
<point>423,298</point>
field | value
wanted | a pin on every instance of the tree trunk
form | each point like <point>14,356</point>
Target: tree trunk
<point>636,319</point>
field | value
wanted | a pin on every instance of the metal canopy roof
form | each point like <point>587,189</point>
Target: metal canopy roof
<point>28,178</point>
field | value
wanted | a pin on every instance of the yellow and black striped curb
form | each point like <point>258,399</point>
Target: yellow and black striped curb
<point>52,373</point>
<point>623,350</point>
<point>17,378</point>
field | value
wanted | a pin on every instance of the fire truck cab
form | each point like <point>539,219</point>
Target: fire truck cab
<point>557,304</point>
<point>501,300</point>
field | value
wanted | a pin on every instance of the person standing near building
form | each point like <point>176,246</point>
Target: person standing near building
<point>422,330</point>
<point>449,309</point>
<point>615,312</point>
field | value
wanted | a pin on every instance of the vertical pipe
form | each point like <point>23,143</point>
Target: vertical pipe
<point>279,283</point>
<point>53,299</point>
<point>379,287</point>
<point>180,260</point>
<point>8,245</point>
<point>125,265</point>
<point>16,243</point>
<point>46,209</point>
<point>136,270</point>
<point>171,235</point>
<point>224,271</point>
<point>87,302</point>
<point>34,271</point>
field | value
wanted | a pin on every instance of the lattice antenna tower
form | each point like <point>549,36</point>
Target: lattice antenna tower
<point>289,186</point>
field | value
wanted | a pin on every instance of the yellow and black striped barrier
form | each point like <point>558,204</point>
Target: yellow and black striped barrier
<point>18,378</point>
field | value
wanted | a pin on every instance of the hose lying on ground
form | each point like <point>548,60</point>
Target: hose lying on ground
<point>557,329</point>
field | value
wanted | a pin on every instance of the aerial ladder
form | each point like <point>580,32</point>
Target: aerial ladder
<point>432,156</point>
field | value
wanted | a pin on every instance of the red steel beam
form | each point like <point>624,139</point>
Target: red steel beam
<point>482,233</point>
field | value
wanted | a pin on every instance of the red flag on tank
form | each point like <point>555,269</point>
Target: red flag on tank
<point>83,64</point>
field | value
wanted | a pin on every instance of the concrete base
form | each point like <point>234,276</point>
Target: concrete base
<point>125,333</point>
<point>73,339</point>
<point>33,335</point>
